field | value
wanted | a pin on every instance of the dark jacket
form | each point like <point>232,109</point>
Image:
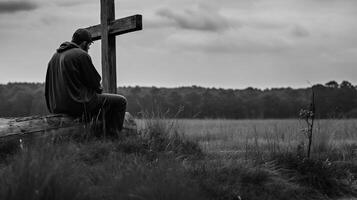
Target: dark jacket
<point>71,80</point>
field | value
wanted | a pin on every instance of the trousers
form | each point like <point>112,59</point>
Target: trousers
<point>111,107</point>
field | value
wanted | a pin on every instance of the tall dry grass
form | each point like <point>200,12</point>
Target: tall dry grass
<point>183,159</point>
<point>334,138</point>
<point>145,166</point>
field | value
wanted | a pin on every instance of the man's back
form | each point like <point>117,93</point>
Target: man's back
<point>71,80</point>
<point>73,85</point>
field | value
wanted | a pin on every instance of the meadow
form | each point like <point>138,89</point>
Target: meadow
<point>189,159</point>
<point>271,136</point>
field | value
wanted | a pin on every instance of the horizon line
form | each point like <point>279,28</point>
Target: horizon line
<point>173,87</point>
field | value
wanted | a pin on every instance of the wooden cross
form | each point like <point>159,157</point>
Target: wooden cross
<point>106,31</point>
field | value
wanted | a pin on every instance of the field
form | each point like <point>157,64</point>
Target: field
<point>190,159</point>
<point>269,136</point>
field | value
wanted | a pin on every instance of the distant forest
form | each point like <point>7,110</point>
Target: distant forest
<point>333,100</point>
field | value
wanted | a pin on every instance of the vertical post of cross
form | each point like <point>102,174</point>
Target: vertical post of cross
<point>107,15</point>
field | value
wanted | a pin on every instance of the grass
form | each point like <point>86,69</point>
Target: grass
<point>329,178</point>
<point>266,137</point>
<point>93,170</point>
<point>188,159</point>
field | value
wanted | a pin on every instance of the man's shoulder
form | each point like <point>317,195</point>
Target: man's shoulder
<point>76,53</point>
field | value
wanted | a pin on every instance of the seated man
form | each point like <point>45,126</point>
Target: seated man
<point>73,84</point>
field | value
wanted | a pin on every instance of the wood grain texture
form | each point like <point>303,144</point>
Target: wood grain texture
<point>126,25</point>
<point>108,47</point>
<point>106,31</point>
<point>118,27</point>
<point>45,125</point>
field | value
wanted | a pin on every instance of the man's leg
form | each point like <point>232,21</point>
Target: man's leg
<point>114,107</point>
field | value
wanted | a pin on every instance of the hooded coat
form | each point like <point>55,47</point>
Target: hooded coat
<point>72,81</point>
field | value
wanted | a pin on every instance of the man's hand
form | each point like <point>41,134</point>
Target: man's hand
<point>100,90</point>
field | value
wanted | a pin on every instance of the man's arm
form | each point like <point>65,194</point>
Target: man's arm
<point>90,75</point>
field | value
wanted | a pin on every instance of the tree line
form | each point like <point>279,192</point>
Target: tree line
<point>333,100</point>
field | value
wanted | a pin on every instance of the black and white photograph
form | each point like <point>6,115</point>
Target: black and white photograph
<point>178,99</point>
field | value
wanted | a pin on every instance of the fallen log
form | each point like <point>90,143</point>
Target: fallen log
<point>59,124</point>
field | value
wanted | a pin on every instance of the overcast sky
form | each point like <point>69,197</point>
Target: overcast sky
<point>214,43</point>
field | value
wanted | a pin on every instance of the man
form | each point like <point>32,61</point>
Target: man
<point>73,84</point>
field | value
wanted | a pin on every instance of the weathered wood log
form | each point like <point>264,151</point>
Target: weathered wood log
<point>17,128</point>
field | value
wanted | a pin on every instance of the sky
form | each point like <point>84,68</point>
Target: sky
<point>210,43</point>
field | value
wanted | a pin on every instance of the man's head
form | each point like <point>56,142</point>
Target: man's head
<point>82,38</point>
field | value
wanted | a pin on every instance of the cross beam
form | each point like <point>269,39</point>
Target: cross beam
<point>118,27</point>
<point>106,31</point>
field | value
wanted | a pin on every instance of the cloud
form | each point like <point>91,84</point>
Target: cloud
<point>70,3</point>
<point>230,42</point>
<point>201,19</point>
<point>300,31</point>
<point>16,6</point>
<point>50,19</point>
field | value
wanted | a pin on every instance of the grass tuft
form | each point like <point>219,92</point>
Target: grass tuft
<point>164,135</point>
<point>232,179</point>
<point>324,176</point>
<point>45,172</point>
